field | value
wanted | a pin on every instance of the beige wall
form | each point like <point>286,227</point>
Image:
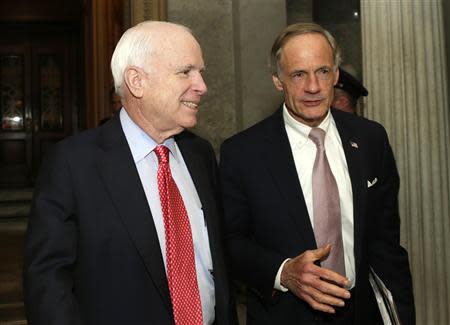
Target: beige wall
<point>212,23</point>
<point>299,11</point>
<point>236,37</point>
<point>260,21</point>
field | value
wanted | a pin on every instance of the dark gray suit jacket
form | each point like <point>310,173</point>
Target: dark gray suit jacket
<point>267,220</point>
<point>92,251</point>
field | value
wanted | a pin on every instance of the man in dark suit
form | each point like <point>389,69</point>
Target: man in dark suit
<point>269,174</point>
<point>124,227</point>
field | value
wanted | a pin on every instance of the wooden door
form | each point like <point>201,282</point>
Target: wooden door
<point>38,74</point>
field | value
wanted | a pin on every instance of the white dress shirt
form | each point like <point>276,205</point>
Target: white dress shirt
<point>304,152</point>
<point>142,148</point>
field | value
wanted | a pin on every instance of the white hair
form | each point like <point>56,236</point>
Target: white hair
<point>136,46</point>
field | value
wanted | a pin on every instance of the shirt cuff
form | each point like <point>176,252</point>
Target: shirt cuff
<point>277,285</point>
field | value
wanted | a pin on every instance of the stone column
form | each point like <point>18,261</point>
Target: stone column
<point>404,69</point>
<point>446,13</point>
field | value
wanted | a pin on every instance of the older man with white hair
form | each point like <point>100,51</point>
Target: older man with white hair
<point>124,227</point>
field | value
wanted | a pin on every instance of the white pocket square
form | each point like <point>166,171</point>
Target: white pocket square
<point>370,184</point>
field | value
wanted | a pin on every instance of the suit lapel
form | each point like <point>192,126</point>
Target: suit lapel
<point>197,168</point>
<point>280,161</point>
<point>202,182</point>
<point>353,156</point>
<point>122,181</point>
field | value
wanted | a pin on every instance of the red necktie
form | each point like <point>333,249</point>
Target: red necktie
<point>181,274</point>
<point>327,211</point>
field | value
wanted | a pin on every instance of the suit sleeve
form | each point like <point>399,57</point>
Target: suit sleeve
<point>251,263</point>
<point>388,258</point>
<point>51,247</point>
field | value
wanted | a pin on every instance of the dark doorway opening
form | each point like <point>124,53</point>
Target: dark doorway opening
<point>39,92</point>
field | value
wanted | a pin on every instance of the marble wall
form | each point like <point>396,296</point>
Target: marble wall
<point>236,37</point>
<point>260,22</point>
<point>212,24</point>
<point>299,11</point>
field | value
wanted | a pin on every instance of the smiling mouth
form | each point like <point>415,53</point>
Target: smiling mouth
<point>189,104</point>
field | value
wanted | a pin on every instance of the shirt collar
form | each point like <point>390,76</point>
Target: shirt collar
<point>140,143</point>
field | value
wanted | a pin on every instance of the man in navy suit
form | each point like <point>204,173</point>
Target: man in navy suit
<point>267,173</point>
<point>96,246</point>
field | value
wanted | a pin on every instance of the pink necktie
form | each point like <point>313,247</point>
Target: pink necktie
<point>327,212</point>
<point>181,274</point>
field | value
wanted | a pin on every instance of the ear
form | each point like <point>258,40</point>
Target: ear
<point>134,81</point>
<point>277,82</point>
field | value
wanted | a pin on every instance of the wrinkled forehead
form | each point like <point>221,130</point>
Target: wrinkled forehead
<point>306,47</point>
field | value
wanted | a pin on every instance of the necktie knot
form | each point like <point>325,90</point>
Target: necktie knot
<point>317,135</point>
<point>162,152</point>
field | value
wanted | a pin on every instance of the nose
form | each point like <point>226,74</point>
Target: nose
<point>312,84</point>
<point>199,84</point>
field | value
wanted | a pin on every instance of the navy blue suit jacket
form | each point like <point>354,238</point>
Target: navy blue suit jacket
<point>267,220</point>
<point>92,252</point>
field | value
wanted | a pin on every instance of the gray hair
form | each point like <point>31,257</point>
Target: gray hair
<point>300,29</point>
<point>136,47</point>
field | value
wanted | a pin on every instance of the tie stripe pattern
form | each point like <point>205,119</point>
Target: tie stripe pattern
<point>326,206</point>
<point>181,273</point>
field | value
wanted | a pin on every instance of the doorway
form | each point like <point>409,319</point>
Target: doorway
<point>39,92</point>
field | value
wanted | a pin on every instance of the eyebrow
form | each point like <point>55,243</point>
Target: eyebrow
<point>297,71</point>
<point>306,71</point>
<point>190,67</point>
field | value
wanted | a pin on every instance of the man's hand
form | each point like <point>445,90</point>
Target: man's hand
<point>321,288</point>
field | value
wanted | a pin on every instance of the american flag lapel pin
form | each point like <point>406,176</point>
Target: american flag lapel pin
<point>354,144</point>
